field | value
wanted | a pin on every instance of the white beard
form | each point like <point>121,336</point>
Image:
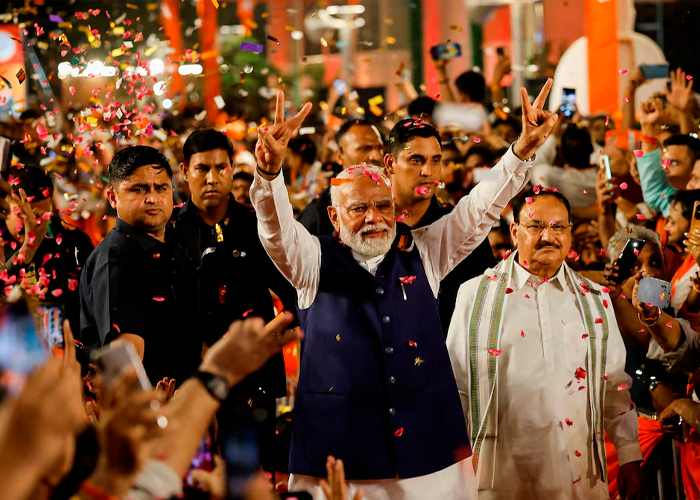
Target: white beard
<point>368,248</point>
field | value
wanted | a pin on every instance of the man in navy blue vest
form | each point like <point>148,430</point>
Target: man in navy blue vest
<point>376,389</point>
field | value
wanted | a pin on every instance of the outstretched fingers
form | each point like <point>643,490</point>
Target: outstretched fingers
<point>539,102</point>
<point>279,108</point>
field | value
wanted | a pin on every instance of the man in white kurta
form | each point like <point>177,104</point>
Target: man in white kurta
<point>539,363</point>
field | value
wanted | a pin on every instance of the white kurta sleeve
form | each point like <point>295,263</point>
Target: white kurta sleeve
<point>620,417</point>
<point>458,342</point>
<point>295,252</point>
<point>686,357</point>
<point>446,242</point>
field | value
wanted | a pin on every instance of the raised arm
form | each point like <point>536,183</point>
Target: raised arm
<point>656,189</point>
<point>295,252</point>
<point>445,243</point>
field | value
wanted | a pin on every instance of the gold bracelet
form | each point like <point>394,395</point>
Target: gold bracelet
<point>646,322</point>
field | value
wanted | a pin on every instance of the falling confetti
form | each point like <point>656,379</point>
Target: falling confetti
<point>400,70</point>
<point>626,99</point>
<point>422,190</point>
<point>638,153</point>
<point>623,185</point>
<point>407,280</point>
<point>522,333</point>
<point>640,217</point>
<point>245,314</point>
<point>494,352</point>
<point>509,290</point>
<point>216,4</point>
<point>273,39</point>
<point>568,422</point>
<point>21,76</point>
<point>252,47</point>
<point>399,432</point>
<point>159,299</point>
<point>580,373</point>
<point>418,361</point>
<point>688,77</point>
<point>623,71</point>
<point>577,453</point>
<point>598,321</point>
<point>454,27</point>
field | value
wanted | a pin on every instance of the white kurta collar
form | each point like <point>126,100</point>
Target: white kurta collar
<point>522,277</point>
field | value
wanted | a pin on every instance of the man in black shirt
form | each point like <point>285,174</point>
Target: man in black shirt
<point>358,141</point>
<point>42,252</point>
<point>235,273</point>
<point>138,284</point>
<point>414,162</point>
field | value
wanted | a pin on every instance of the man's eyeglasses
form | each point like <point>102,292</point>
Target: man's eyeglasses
<point>359,210</point>
<point>536,228</point>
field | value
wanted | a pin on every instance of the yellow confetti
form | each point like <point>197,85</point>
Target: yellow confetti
<point>209,53</point>
<point>337,338</point>
<point>344,110</point>
<point>376,100</point>
<point>360,110</point>
<point>265,15</point>
<point>390,40</point>
<point>324,42</point>
<point>150,50</point>
<point>119,30</point>
<point>418,361</point>
<point>65,25</point>
<point>131,6</point>
<point>216,4</point>
<point>118,52</point>
<point>289,28</point>
<point>454,27</point>
<point>92,120</point>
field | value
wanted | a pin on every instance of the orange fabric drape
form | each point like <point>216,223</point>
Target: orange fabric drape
<point>170,19</point>
<point>600,22</point>
<point>207,47</point>
<point>685,267</point>
<point>661,230</point>
<point>650,434</point>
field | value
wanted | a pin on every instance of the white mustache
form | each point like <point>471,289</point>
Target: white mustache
<point>374,227</point>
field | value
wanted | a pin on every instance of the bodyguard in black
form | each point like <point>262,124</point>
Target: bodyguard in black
<point>42,252</point>
<point>235,273</point>
<point>138,284</point>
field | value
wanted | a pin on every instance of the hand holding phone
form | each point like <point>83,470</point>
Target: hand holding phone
<point>568,102</point>
<point>654,291</point>
<point>654,71</point>
<point>445,51</point>
<point>628,256</point>
<point>115,358</point>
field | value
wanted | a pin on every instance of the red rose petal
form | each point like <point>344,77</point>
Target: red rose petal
<point>623,185</point>
<point>399,432</point>
<point>598,321</point>
<point>159,299</point>
<point>638,153</point>
<point>580,373</point>
<point>522,333</point>
<point>577,453</point>
<point>509,290</point>
<point>57,293</point>
<point>569,422</point>
<point>245,314</point>
<point>584,336</point>
<point>494,352</point>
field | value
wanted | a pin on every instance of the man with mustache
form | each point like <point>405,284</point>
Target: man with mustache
<point>138,285</point>
<point>414,162</point>
<point>540,367</point>
<point>375,387</point>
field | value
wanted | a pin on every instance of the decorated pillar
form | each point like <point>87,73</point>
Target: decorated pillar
<point>208,49</point>
<point>601,29</point>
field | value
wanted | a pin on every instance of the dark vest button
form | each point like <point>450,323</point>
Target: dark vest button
<point>389,350</point>
<point>379,290</point>
<point>386,320</point>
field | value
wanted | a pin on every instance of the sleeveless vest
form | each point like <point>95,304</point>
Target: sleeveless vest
<point>376,387</point>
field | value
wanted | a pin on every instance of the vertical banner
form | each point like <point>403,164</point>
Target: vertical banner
<point>600,20</point>
<point>170,19</point>
<point>208,33</point>
<point>13,94</point>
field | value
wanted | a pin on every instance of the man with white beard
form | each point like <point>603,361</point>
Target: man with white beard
<point>376,388</point>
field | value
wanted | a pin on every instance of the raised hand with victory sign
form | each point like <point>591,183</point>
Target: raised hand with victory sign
<point>537,123</point>
<point>272,141</point>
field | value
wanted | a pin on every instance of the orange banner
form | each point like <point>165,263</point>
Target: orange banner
<point>209,15</point>
<point>170,19</point>
<point>600,19</point>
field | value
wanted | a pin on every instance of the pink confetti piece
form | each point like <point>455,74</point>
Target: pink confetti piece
<point>598,321</point>
<point>71,89</point>
<point>505,255</point>
<point>636,252</point>
<point>640,217</point>
<point>477,140</point>
<point>116,327</point>
<point>669,325</point>
<point>422,190</point>
<point>399,432</point>
<point>605,289</point>
<point>509,290</point>
<point>72,285</point>
<point>606,378</point>
<point>638,153</point>
<point>622,387</point>
<point>245,314</point>
<point>626,99</point>
<point>605,303</point>
<point>529,200</point>
<point>59,240</point>
<point>159,299</point>
<point>527,296</point>
<point>577,480</point>
<point>688,77</point>
<point>623,185</point>
<point>494,352</point>
<point>407,280</point>
<point>568,422</point>
<point>522,333</point>
<point>531,214</point>
<point>623,71</point>
<point>57,293</point>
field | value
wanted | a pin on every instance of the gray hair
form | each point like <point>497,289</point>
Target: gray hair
<point>621,237</point>
<point>355,172</point>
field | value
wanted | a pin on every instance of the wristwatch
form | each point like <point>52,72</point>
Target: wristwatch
<point>215,385</point>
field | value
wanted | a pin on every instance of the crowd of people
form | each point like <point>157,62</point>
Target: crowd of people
<point>463,311</point>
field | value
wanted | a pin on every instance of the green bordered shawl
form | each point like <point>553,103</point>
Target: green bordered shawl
<point>484,329</point>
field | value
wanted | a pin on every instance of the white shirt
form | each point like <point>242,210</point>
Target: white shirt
<point>441,245</point>
<point>538,454</point>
